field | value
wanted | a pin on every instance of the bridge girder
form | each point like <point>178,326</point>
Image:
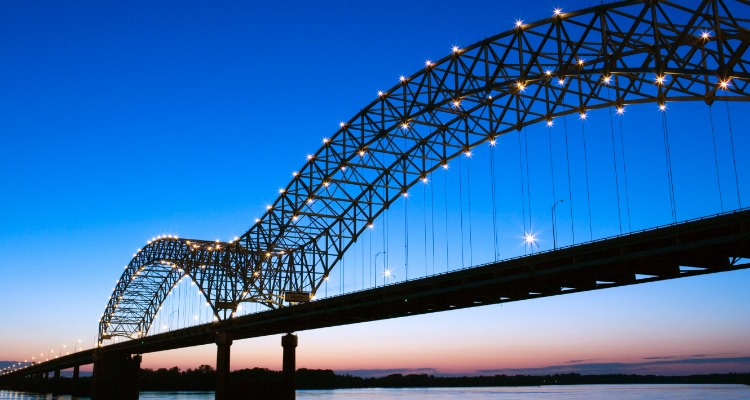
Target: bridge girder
<point>612,55</point>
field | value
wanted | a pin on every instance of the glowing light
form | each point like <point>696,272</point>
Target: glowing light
<point>256,221</point>
<point>519,23</point>
<point>558,11</point>
<point>445,165</point>
<point>342,124</point>
<point>583,116</point>
<point>295,217</point>
<point>493,141</point>
<point>607,79</point>
<point>310,157</point>
<point>361,152</point>
<point>548,72</point>
<point>282,191</point>
<point>521,86</point>
<point>705,35</point>
<point>561,81</point>
<point>724,84</point>
<point>529,238</point>
<point>295,174</point>
<point>268,207</point>
<point>620,110</point>
<point>388,273</point>
<point>425,180</point>
<point>405,193</point>
<point>455,49</point>
<point>581,61</point>
<point>371,226</point>
<point>550,123</point>
<point>428,63</point>
<point>456,103</point>
<point>343,167</point>
<point>662,107</point>
<point>405,126</point>
<point>380,93</point>
<point>467,153</point>
<point>325,140</point>
<point>309,200</point>
<point>660,79</point>
<point>325,183</point>
<point>402,78</point>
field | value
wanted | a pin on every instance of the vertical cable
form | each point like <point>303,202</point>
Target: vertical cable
<point>586,166</point>
<point>432,226</point>
<point>461,208</point>
<point>445,199</point>
<point>668,155</point>
<point>528,178</point>
<point>523,192</point>
<point>494,201</point>
<point>570,187</point>
<point>716,158</point>
<point>468,193</point>
<point>406,235</point>
<point>614,164</point>
<point>734,158</point>
<point>625,173</point>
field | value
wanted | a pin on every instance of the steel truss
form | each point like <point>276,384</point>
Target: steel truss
<point>612,55</point>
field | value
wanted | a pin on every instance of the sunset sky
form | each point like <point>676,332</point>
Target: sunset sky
<point>121,121</point>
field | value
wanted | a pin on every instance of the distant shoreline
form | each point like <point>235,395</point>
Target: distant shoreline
<point>264,382</point>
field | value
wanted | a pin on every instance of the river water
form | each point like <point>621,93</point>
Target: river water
<point>608,392</point>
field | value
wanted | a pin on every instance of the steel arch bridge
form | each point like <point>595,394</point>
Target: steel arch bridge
<point>613,55</point>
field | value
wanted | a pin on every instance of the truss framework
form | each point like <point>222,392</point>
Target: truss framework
<point>613,55</point>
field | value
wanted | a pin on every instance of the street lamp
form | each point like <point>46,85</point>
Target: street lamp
<point>376,266</point>
<point>554,221</point>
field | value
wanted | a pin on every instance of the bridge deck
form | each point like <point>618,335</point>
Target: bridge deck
<point>709,245</point>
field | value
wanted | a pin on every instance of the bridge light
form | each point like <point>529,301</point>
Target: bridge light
<point>660,79</point>
<point>405,193</point>
<point>309,200</point>
<point>342,124</point>
<point>381,93</point>
<point>550,123</point>
<point>581,61</point>
<point>467,153</point>
<point>455,49</point>
<point>425,180</point>
<point>325,183</point>
<point>529,238</point>
<point>548,72</point>
<point>405,126</point>
<point>281,191</point>
<point>583,116</point>
<point>519,23</point>
<point>310,157</point>
<point>371,225</point>
<point>402,78</point>
<point>521,86</point>
<point>268,207</point>
<point>561,81</point>
<point>662,107</point>
<point>295,174</point>
<point>620,110</point>
<point>705,35</point>
<point>361,152</point>
<point>325,140</point>
<point>558,11</point>
<point>724,84</point>
<point>456,103</point>
<point>343,167</point>
<point>493,141</point>
<point>256,221</point>
<point>428,63</point>
<point>445,165</point>
<point>606,79</point>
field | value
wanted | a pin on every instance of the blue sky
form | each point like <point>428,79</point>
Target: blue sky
<point>124,121</point>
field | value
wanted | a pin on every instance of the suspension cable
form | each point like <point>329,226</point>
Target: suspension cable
<point>406,235</point>
<point>432,226</point>
<point>670,177</point>
<point>424,219</point>
<point>468,192</point>
<point>494,202</point>
<point>716,158</point>
<point>734,158</point>
<point>614,162</point>
<point>528,179</point>
<point>586,166</point>
<point>461,209</point>
<point>445,203</point>
<point>570,187</point>
<point>625,171</point>
<point>523,193</point>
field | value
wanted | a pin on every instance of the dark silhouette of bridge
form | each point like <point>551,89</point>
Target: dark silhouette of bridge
<point>604,57</point>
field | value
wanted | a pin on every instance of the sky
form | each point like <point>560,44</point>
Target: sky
<point>121,121</point>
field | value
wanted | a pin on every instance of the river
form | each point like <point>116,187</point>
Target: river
<point>608,392</point>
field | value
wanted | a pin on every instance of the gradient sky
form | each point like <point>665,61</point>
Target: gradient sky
<point>121,121</point>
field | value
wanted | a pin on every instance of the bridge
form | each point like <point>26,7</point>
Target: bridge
<point>607,57</point>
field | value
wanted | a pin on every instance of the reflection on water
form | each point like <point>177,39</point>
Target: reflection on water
<point>608,392</point>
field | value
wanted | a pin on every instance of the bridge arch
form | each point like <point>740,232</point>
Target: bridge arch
<point>613,55</point>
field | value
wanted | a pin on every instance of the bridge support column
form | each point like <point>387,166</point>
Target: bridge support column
<point>74,381</point>
<point>56,382</point>
<point>289,343</point>
<point>223,346</point>
<point>115,376</point>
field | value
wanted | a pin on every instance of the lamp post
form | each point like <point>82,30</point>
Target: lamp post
<point>554,222</point>
<point>376,267</point>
